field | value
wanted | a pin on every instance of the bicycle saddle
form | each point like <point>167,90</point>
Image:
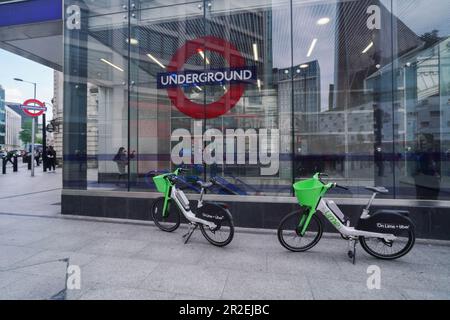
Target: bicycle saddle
<point>378,189</point>
<point>204,184</point>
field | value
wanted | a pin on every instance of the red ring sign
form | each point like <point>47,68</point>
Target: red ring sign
<point>33,107</point>
<point>231,96</point>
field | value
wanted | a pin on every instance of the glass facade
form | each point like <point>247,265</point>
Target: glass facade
<point>358,89</point>
<point>2,118</point>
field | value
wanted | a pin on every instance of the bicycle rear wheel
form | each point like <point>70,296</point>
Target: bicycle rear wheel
<point>389,250</point>
<point>171,221</point>
<point>222,234</point>
<point>289,232</point>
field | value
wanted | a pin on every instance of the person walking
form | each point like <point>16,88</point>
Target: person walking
<point>121,159</point>
<point>51,158</point>
<point>427,176</point>
<point>9,156</point>
<point>37,157</point>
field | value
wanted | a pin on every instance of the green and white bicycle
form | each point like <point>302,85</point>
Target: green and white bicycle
<point>385,234</point>
<point>214,219</point>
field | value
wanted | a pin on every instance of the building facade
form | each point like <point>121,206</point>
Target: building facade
<point>13,124</point>
<point>2,118</point>
<point>357,89</point>
<point>57,122</point>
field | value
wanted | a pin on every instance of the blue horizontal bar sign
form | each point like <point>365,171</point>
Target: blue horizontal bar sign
<point>39,108</point>
<point>29,11</point>
<point>193,78</point>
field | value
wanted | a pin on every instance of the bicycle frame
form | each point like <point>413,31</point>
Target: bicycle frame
<point>346,231</point>
<point>175,194</point>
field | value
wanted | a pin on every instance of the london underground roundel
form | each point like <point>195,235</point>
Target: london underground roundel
<point>237,75</point>
<point>33,107</point>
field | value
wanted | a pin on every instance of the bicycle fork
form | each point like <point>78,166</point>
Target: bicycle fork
<point>166,204</point>
<point>304,221</point>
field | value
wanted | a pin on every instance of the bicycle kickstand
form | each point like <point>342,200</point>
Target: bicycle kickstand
<point>352,249</point>
<point>191,230</point>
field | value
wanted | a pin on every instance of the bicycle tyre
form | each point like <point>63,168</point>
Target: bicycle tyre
<point>409,245</point>
<point>228,219</point>
<point>293,217</point>
<point>169,223</point>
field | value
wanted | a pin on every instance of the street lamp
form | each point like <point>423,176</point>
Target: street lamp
<point>33,123</point>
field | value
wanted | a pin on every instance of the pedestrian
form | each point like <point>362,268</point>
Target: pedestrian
<point>427,176</point>
<point>37,157</point>
<point>121,159</point>
<point>9,157</point>
<point>51,158</point>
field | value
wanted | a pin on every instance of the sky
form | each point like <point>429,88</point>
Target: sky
<point>14,66</point>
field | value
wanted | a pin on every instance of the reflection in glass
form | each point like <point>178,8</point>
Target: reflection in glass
<point>356,89</point>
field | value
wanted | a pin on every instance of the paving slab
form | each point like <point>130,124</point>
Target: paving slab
<point>264,286</point>
<point>187,279</point>
<point>117,271</point>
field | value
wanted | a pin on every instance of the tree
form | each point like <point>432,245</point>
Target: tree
<point>430,38</point>
<point>25,133</point>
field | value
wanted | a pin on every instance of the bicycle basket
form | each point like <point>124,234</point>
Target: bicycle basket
<point>308,192</point>
<point>161,183</point>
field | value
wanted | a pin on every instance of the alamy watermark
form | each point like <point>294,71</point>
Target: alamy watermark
<point>73,281</point>
<point>374,278</point>
<point>234,146</point>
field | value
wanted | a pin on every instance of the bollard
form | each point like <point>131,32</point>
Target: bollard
<point>15,164</point>
<point>29,162</point>
<point>4,165</point>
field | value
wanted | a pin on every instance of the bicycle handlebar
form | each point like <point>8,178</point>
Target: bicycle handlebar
<point>171,176</point>
<point>339,186</point>
<point>334,185</point>
<point>322,175</point>
<point>180,170</point>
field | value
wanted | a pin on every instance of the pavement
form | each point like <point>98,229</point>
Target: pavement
<point>39,195</point>
<point>124,259</point>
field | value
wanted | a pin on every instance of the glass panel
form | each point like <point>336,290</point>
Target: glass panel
<point>104,8</point>
<point>2,118</point>
<point>160,30</point>
<point>252,138</point>
<point>343,92</point>
<point>96,98</point>
<point>422,48</point>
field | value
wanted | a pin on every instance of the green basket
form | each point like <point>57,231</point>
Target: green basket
<point>161,183</point>
<point>308,192</point>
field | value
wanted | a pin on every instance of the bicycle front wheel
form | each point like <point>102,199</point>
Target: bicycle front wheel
<point>222,234</point>
<point>171,221</point>
<point>289,232</point>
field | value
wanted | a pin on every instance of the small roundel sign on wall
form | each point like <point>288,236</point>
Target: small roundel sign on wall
<point>34,107</point>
